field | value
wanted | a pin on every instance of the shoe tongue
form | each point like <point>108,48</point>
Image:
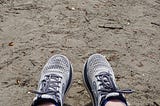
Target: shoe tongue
<point>45,96</point>
<point>113,94</point>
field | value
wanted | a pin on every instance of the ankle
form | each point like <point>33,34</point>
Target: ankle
<point>114,98</point>
<point>47,104</point>
<point>115,102</point>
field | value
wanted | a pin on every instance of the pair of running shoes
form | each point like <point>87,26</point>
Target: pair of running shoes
<point>98,77</point>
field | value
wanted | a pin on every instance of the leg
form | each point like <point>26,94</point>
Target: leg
<point>99,80</point>
<point>55,80</point>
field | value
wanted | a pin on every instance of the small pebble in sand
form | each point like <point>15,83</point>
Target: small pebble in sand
<point>11,44</point>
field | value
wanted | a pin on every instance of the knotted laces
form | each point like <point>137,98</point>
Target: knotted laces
<point>108,86</point>
<point>49,85</point>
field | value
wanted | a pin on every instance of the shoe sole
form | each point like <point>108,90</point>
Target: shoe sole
<point>70,79</point>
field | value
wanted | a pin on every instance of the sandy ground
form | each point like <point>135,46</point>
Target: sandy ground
<point>127,32</point>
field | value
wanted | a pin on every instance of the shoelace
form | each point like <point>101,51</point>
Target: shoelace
<point>108,86</point>
<point>50,85</point>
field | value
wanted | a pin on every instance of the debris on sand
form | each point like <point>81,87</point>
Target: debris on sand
<point>154,23</point>
<point>11,44</point>
<point>156,102</point>
<point>110,27</point>
<point>140,64</point>
<point>17,81</point>
<point>70,8</point>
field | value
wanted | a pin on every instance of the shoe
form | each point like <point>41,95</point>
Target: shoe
<point>55,80</point>
<point>100,82</point>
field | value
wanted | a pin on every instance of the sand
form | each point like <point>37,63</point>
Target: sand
<point>127,32</point>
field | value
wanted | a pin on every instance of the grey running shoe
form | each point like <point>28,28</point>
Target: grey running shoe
<point>99,80</point>
<point>55,80</point>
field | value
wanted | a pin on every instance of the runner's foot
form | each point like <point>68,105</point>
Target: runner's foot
<point>55,80</point>
<point>100,82</point>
